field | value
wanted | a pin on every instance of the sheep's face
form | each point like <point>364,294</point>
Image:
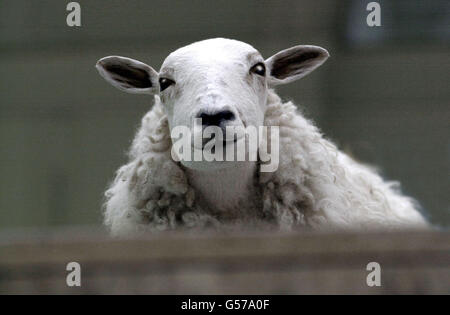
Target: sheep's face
<point>220,81</point>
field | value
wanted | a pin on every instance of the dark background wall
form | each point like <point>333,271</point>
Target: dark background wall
<point>383,95</point>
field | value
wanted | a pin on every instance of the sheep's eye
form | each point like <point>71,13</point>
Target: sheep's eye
<point>164,83</point>
<point>259,69</point>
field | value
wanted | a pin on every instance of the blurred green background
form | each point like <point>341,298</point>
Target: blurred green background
<point>383,95</point>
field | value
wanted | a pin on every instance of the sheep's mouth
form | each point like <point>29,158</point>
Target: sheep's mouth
<point>213,143</point>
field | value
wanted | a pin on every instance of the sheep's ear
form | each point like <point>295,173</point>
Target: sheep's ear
<point>128,75</point>
<point>294,63</point>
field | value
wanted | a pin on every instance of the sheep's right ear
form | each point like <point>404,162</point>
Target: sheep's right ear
<point>128,75</point>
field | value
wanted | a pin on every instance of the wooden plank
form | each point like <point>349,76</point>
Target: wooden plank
<point>295,263</point>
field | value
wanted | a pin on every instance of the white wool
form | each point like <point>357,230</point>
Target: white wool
<point>316,185</point>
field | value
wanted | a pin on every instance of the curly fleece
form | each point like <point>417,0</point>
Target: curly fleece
<point>316,186</point>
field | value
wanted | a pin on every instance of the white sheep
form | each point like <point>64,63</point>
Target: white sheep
<point>228,83</point>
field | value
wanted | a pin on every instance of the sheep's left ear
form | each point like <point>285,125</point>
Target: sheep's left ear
<point>294,63</point>
<point>128,75</point>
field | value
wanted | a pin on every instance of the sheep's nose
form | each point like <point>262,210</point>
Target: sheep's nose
<point>216,119</point>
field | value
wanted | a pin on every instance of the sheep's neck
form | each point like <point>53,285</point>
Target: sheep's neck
<point>231,191</point>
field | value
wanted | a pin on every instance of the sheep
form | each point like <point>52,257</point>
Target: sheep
<point>228,83</point>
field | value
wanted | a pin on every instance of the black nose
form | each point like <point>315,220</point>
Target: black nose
<point>216,119</point>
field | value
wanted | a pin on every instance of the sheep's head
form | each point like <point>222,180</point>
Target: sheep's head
<point>221,81</point>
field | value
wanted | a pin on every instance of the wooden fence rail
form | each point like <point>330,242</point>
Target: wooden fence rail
<point>280,263</point>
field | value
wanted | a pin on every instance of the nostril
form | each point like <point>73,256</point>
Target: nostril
<point>227,115</point>
<point>216,119</point>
